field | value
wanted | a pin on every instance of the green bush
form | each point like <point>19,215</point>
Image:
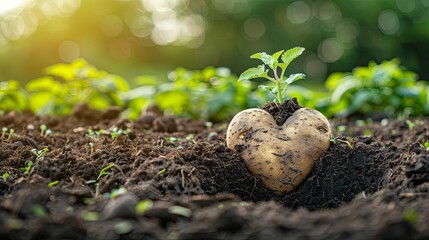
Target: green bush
<point>387,88</point>
<point>12,97</point>
<point>65,85</point>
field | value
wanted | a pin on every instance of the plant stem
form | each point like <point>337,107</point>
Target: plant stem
<point>278,84</point>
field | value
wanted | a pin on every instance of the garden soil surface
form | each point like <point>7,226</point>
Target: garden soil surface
<point>173,178</point>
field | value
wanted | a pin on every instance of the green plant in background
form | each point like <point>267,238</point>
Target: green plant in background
<point>212,94</point>
<point>65,85</point>
<point>378,88</point>
<point>272,61</point>
<point>12,97</point>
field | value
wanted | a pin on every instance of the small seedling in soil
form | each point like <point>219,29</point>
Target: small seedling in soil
<point>427,146</point>
<point>105,170</point>
<point>272,61</point>
<point>91,216</point>
<point>11,132</point>
<point>4,131</point>
<point>367,133</point>
<point>38,211</point>
<point>162,171</point>
<point>5,176</point>
<point>94,134</point>
<point>116,132</point>
<point>337,139</point>
<point>281,156</point>
<point>410,216</point>
<point>44,130</point>
<point>53,183</point>
<point>410,124</point>
<point>27,169</point>
<point>115,193</point>
<point>91,145</point>
<point>39,153</point>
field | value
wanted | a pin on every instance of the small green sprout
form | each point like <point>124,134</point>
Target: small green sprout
<point>367,133</point>
<point>337,139</point>
<point>426,144</point>
<point>410,216</point>
<point>91,145</point>
<point>5,176</point>
<point>91,216</point>
<point>27,169</point>
<point>171,139</point>
<point>341,128</point>
<point>105,170</point>
<point>179,210</point>
<point>115,132</point>
<point>39,153</point>
<point>190,137</point>
<point>272,61</point>
<point>11,132</point>
<point>44,130</point>
<point>53,183</point>
<point>143,206</point>
<point>3,132</point>
<point>410,124</point>
<point>94,134</point>
<point>38,210</point>
<point>162,171</point>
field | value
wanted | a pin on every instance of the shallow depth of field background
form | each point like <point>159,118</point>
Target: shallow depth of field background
<point>136,37</point>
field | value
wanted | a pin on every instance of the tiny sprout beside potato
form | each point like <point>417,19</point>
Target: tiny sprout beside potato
<point>280,156</point>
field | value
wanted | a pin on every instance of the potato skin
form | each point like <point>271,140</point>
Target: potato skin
<point>280,156</point>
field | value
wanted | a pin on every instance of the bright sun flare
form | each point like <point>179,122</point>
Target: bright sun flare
<point>8,5</point>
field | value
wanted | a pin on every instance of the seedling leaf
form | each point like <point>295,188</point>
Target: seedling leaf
<point>291,54</point>
<point>252,73</point>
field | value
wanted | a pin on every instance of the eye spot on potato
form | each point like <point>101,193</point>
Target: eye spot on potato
<point>322,129</point>
<point>243,134</point>
<point>267,162</point>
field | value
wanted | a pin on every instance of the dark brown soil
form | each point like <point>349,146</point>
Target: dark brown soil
<point>282,112</point>
<point>376,188</point>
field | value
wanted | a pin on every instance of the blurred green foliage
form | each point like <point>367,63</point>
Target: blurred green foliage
<point>214,93</point>
<point>65,85</point>
<point>385,88</point>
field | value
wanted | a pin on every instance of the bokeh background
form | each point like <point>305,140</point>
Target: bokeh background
<point>150,37</point>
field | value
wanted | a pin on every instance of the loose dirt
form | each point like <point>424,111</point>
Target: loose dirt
<point>372,183</point>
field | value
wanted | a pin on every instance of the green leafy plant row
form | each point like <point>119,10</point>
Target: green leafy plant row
<point>215,94</point>
<point>386,88</point>
<point>211,93</point>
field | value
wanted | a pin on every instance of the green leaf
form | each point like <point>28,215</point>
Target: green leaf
<point>294,77</point>
<point>257,55</point>
<point>276,58</point>
<point>252,73</point>
<point>266,88</point>
<point>291,54</point>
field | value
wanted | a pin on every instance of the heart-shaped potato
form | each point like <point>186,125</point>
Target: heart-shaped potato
<point>280,156</point>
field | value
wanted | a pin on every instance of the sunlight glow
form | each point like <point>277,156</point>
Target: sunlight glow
<point>8,5</point>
